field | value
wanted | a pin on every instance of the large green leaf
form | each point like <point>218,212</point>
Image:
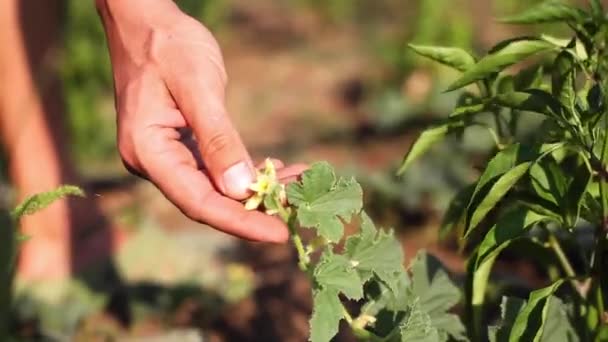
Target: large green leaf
<point>380,297</point>
<point>502,172</point>
<point>40,201</point>
<point>509,227</point>
<point>417,326</point>
<point>322,201</point>
<point>530,323</point>
<point>336,273</point>
<point>325,320</point>
<point>375,252</point>
<point>437,295</point>
<point>548,11</point>
<point>563,80</point>
<point>453,57</point>
<point>420,309</point>
<point>515,51</point>
<point>497,191</point>
<point>531,100</point>
<point>559,325</point>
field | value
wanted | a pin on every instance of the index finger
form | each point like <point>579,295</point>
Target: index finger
<point>175,173</point>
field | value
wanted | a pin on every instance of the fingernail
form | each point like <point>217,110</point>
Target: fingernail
<point>237,180</point>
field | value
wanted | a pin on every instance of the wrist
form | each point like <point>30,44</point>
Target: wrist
<point>136,11</point>
<point>130,26</point>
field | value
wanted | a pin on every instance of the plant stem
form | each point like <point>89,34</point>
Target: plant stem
<point>600,233</point>
<point>563,259</point>
<point>289,219</point>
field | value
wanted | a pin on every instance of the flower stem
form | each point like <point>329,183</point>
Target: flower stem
<point>289,219</point>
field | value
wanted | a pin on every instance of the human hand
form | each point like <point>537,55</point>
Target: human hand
<point>173,128</point>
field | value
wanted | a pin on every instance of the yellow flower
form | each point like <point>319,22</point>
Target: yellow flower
<point>266,180</point>
<point>254,202</point>
<point>265,185</point>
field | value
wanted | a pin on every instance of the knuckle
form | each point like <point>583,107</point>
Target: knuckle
<point>217,143</point>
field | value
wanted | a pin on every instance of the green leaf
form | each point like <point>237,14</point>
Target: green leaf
<point>575,194</point>
<point>424,142</point>
<point>559,324</point>
<point>580,50</point>
<point>375,252</point>
<point>513,52</point>
<point>497,191</point>
<point>437,295</point>
<point>322,201</point>
<point>40,201</point>
<point>590,208</point>
<point>531,100</point>
<point>510,307</point>
<point>595,100</point>
<point>558,42</point>
<point>468,110</point>
<point>597,9</point>
<point>501,163</point>
<point>548,11</point>
<point>326,316</point>
<point>380,297</point>
<point>530,323</point>
<point>418,327</point>
<point>336,273</point>
<point>530,77</point>
<point>504,83</point>
<point>548,181</point>
<point>456,212</point>
<point>563,80</point>
<point>319,179</point>
<point>509,227</point>
<point>452,57</point>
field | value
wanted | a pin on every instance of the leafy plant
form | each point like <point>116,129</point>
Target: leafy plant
<point>541,193</point>
<point>366,268</point>
<point>10,240</point>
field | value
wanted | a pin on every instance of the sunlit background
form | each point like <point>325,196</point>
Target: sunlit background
<point>309,80</point>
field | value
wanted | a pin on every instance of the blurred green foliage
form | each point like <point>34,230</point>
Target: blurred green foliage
<point>87,78</point>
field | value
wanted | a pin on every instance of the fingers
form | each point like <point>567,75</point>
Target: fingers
<point>292,171</point>
<point>278,164</point>
<point>199,94</point>
<point>174,172</point>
